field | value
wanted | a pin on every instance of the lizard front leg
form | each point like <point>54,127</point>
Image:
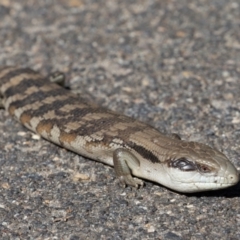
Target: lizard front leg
<point>124,162</point>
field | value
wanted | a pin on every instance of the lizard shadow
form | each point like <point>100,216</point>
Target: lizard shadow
<point>230,192</point>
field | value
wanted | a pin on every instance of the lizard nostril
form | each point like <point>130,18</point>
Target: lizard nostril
<point>233,178</point>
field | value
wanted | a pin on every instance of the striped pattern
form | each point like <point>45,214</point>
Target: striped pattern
<point>69,121</point>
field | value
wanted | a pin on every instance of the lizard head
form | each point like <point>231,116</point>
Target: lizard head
<point>195,167</point>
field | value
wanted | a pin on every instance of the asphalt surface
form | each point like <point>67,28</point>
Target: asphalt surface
<point>173,64</point>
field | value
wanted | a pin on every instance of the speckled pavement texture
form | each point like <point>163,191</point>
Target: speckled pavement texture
<point>173,64</point>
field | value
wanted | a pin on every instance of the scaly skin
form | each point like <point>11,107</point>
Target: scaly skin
<point>132,147</point>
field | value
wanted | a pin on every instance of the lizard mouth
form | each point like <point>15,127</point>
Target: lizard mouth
<point>196,182</point>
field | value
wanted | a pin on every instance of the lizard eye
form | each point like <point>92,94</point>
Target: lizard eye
<point>184,164</point>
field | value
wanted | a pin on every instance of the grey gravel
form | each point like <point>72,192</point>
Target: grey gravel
<point>173,64</point>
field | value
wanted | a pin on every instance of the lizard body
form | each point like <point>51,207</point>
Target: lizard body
<point>132,147</point>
